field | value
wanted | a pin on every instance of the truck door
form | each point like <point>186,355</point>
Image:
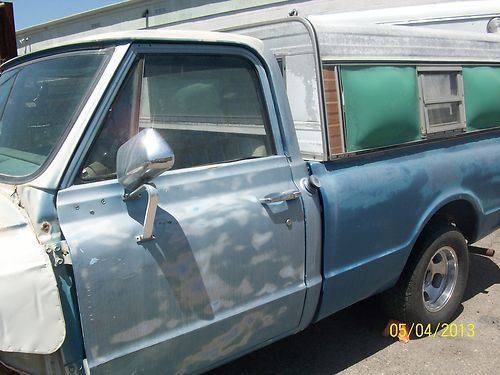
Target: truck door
<point>225,270</point>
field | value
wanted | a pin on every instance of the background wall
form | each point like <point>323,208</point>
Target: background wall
<point>186,14</point>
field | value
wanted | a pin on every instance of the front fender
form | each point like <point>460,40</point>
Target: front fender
<point>31,317</point>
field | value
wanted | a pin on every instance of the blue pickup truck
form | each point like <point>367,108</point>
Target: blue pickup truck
<point>163,209</point>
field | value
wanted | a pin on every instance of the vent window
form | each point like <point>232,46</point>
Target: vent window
<point>441,99</point>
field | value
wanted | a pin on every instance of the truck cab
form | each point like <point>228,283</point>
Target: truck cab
<point>216,245</point>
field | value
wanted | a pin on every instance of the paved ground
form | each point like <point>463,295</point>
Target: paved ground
<point>350,342</point>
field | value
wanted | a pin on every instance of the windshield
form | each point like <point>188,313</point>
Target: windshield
<point>38,103</point>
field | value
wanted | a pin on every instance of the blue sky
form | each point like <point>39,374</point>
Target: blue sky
<point>33,12</point>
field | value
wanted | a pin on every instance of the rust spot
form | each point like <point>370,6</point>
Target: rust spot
<point>45,227</point>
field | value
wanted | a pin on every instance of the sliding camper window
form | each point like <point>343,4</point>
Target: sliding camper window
<point>380,105</point>
<point>441,99</point>
<point>482,96</point>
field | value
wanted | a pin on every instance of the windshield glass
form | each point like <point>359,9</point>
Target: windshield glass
<point>38,102</point>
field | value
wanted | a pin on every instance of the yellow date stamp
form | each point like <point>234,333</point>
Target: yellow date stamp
<point>441,330</point>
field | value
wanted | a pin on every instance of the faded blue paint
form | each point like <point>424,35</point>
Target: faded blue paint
<point>376,205</point>
<point>223,274</point>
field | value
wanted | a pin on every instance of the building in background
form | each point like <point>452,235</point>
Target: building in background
<point>8,48</point>
<point>229,14</point>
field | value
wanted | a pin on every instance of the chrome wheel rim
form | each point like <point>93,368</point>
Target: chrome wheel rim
<point>440,279</point>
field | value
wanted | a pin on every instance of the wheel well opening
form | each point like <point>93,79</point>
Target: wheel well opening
<point>461,214</point>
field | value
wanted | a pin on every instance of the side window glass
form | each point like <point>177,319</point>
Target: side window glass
<point>5,88</point>
<point>209,108</point>
<point>119,125</point>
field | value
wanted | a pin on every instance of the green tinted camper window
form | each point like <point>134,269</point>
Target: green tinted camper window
<point>482,97</point>
<point>380,106</point>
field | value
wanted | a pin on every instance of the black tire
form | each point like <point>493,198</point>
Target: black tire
<point>407,301</point>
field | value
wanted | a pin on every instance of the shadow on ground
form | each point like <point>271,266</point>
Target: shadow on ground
<point>484,273</point>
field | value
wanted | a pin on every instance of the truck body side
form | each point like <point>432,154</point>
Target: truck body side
<point>418,179</point>
<point>246,250</point>
<point>370,229</point>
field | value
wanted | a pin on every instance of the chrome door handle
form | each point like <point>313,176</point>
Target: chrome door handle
<point>281,197</point>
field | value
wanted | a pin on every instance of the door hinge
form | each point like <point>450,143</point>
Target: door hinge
<point>59,253</point>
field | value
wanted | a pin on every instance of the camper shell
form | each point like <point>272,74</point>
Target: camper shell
<point>322,60</point>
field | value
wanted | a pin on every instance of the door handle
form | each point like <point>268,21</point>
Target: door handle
<point>281,197</point>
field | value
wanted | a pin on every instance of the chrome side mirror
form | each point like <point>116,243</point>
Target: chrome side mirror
<point>142,158</point>
<point>138,161</point>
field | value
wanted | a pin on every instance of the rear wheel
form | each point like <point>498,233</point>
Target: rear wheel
<point>440,279</point>
<point>434,281</point>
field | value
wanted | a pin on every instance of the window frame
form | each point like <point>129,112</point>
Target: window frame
<point>107,52</point>
<point>266,91</point>
<point>138,51</point>
<point>437,129</point>
<point>133,73</point>
<point>210,122</point>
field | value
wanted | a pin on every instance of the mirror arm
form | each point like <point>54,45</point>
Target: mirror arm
<point>149,218</point>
